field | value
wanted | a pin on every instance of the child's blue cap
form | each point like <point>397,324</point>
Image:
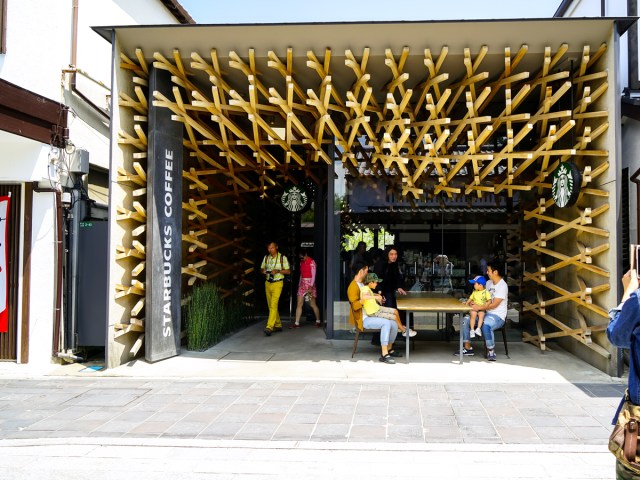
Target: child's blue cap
<point>479,279</point>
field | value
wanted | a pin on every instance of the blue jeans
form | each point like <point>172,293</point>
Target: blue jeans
<point>388,328</point>
<point>491,322</point>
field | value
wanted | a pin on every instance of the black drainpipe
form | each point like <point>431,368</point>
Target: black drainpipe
<point>632,42</point>
<point>634,179</point>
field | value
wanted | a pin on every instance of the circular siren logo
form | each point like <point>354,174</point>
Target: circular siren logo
<point>566,184</point>
<point>295,198</point>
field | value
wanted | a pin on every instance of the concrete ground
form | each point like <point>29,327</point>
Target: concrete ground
<point>295,404</point>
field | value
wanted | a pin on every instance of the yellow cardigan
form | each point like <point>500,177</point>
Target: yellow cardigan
<point>355,312</point>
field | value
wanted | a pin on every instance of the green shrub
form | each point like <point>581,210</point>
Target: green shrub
<point>204,317</point>
<point>208,317</point>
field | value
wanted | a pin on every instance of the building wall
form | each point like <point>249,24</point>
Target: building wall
<point>39,41</point>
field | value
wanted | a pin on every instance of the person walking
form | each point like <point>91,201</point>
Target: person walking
<point>274,267</point>
<point>623,333</point>
<point>307,288</point>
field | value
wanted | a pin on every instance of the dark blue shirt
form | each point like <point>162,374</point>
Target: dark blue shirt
<point>624,332</point>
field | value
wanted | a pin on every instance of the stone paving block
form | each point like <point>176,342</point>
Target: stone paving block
<point>335,418</point>
<point>437,409</point>
<point>202,417</point>
<point>331,432</point>
<point>518,434</point>
<point>219,399</point>
<point>300,407</point>
<point>406,419</point>
<point>116,426</point>
<point>559,434</point>
<point>339,409</point>
<point>369,419</point>
<point>162,416</point>
<point>543,421</point>
<point>221,430</point>
<point>281,400</point>
<point>405,433</point>
<point>256,431</point>
<point>478,432</point>
<point>150,428</point>
<point>301,418</point>
<point>268,418</point>
<point>508,421</point>
<point>442,433</point>
<point>470,419</point>
<point>579,421</point>
<point>439,420</point>
<point>536,412</point>
<point>380,411</point>
<point>251,400</point>
<point>370,433</point>
<point>294,431</point>
<point>592,433</point>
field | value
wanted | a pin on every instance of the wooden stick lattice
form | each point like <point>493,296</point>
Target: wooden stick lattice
<point>484,132</point>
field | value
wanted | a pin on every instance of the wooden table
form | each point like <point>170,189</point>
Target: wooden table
<point>432,302</point>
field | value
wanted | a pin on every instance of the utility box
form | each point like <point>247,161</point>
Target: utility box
<point>92,283</point>
<point>79,162</point>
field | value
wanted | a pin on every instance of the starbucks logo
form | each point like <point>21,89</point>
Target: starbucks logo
<point>566,184</point>
<point>295,199</point>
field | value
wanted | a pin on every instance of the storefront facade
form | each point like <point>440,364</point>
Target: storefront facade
<point>455,137</point>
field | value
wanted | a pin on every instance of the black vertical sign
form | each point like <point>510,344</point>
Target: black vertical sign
<point>164,226</point>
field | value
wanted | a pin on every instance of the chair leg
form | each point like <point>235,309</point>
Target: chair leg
<point>504,339</point>
<point>355,343</point>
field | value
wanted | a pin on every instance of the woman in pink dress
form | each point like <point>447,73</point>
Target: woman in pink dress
<point>307,288</point>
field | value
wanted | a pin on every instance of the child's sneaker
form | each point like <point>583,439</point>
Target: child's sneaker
<point>491,356</point>
<point>478,332</point>
<point>472,334</point>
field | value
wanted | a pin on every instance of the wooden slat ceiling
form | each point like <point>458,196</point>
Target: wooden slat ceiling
<point>462,123</point>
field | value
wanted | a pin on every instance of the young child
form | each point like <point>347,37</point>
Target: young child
<point>371,303</point>
<point>479,296</point>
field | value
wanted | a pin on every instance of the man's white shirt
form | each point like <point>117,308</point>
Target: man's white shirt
<point>499,290</point>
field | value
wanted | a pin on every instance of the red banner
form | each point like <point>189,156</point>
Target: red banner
<point>4,261</point>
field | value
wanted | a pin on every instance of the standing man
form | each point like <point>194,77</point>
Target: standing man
<point>496,311</point>
<point>274,266</point>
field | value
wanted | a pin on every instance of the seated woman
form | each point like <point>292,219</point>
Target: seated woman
<point>357,318</point>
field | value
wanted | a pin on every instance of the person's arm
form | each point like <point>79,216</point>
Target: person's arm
<point>400,287</point>
<point>625,318</point>
<point>353,294</point>
<point>313,272</point>
<point>263,265</point>
<point>285,269</point>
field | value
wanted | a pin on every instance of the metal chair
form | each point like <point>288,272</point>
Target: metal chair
<point>358,331</point>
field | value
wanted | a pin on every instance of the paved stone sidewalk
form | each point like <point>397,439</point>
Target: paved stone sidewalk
<point>300,411</point>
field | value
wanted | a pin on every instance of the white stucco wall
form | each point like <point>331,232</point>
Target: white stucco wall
<point>612,8</point>
<point>21,159</point>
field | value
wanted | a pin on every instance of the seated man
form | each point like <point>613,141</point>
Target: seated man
<point>496,311</point>
<point>359,319</point>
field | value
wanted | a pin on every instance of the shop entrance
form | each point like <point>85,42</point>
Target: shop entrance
<point>442,243</point>
<point>432,129</point>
